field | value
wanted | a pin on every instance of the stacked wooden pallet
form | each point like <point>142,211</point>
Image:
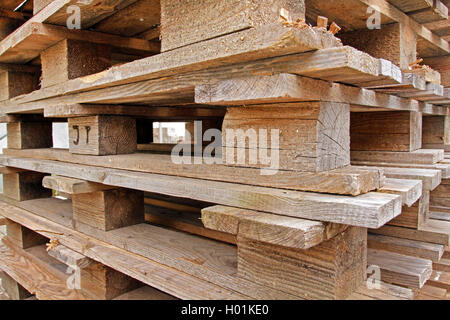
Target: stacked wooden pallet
<point>122,220</point>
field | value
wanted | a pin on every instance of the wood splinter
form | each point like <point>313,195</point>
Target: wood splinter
<point>334,28</point>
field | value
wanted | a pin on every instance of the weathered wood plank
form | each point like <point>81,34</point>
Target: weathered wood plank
<point>72,186</point>
<point>368,210</point>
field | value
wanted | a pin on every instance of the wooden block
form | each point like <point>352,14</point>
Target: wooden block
<point>22,237</point>
<point>395,42</point>
<point>211,19</point>
<point>13,84</point>
<point>73,186</point>
<point>30,135</point>
<point>400,269</point>
<point>430,178</point>
<point>440,279</point>
<point>407,247</point>
<point>414,216</point>
<point>312,137</point>
<point>436,131</point>
<point>386,131</point>
<point>102,135</point>
<point>10,170</point>
<point>13,289</point>
<point>269,228</point>
<point>105,283</point>
<point>442,265</point>
<point>108,210</point>
<point>70,59</point>
<point>331,270</point>
<point>440,197</point>
<point>23,186</point>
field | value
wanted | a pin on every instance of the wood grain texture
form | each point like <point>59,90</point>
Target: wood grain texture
<point>340,181</point>
<point>410,190</point>
<point>22,237</point>
<point>13,289</point>
<point>186,22</point>
<point>272,229</point>
<point>431,234</point>
<point>327,271</point>
<point>180,284</point>
<point>312,137</point>
<point>400,269</point>
<point>368,210</point>
<point>415,216</point>
<point>108,210</point>
<point>72,186</point>
<point>102,135</point>
<point>422,156</point>
<point>16,83</point>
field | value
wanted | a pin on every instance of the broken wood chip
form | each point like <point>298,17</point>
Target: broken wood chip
<point>52,245</point>
<point>284,14</point>
<point>334,28</point>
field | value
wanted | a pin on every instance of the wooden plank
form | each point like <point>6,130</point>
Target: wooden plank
<point>259,42</point>
<point>442,265</point>
<point>26,43</point>
<point>422,156</point>
<point>211,19</point>
<point>436,131</point>
<point>304,272</point>
<point>386,292</point>
<point>431,235</point>
<point>69,257</point>
<point>368,210</point>
<point>261,89</point>
<point>16,83</point>
<point>410,190</point>
<point>273,229</point>
<point>176,255</point>
<point>413,248</point>
<point>154,112</point>
<point>440,279</point>
<point>334,181</point>
<point>399,269</point>
<point>36,276</point>
<point>72,186</point>
<point>22,237</point>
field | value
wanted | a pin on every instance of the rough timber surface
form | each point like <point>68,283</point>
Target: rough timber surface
<point>340,181</point>
<point>367,210</point>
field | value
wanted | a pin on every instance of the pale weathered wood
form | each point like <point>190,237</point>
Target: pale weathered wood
<point>368,210</point>
<point>399,269</point>
<point>69,257</point>
<point>305,272</point>
<point>102,135</point>
<point>410,190</point>
<point>407,247</point>
<point>415,216</point>
<point>72,186</point>
<point>273,229</point>
<point>431,235</point>
<point>186,22</point>
<point>311,137</point>
<point>341,181</point>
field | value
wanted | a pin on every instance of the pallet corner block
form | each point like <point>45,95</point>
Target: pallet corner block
<point>102,135</point>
